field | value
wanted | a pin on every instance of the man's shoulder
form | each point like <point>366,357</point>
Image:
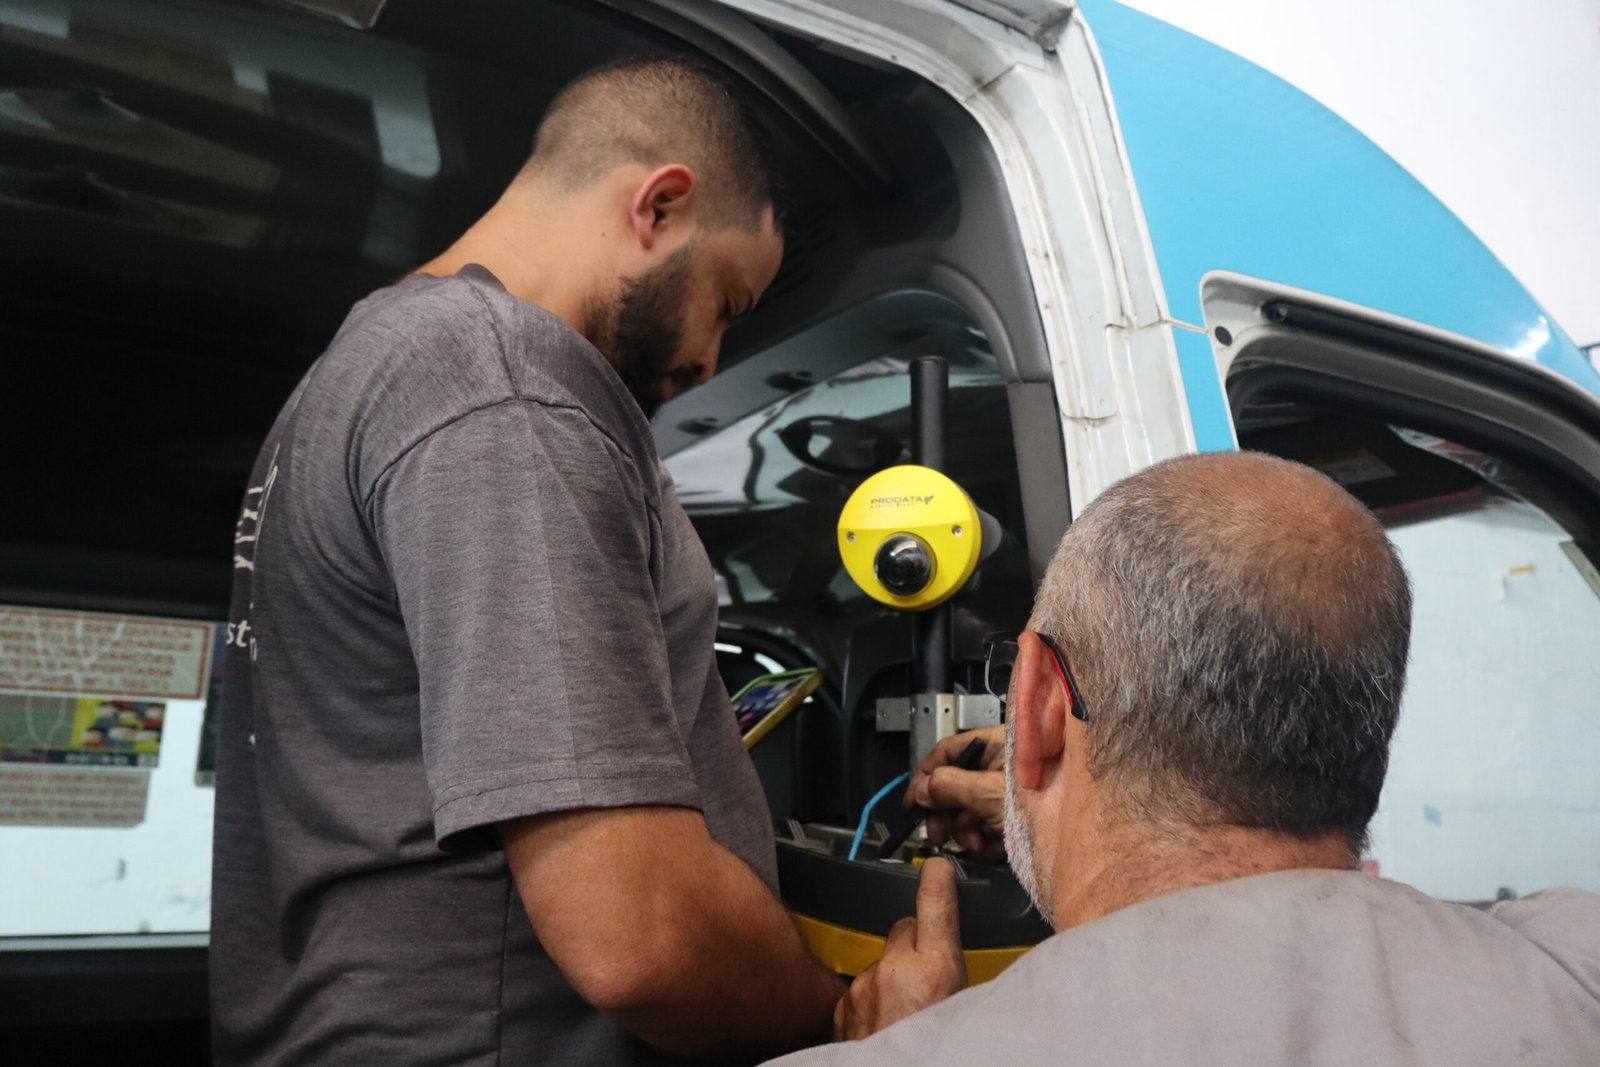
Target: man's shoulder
<point>1562,904</point>
<point>1308,967</point>
<point>429,351</point>
<point>463,331</point>
<point>1316,945</point>
<point>422,348</point>
<point>1315,904</point>
<point>1564,923</point>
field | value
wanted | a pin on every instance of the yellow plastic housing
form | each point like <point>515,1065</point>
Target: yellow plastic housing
<point>912,500</point>
<point>850,952</point>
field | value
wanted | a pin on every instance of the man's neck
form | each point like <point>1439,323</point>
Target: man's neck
<point>519,247</point>
<point>1133,867</point>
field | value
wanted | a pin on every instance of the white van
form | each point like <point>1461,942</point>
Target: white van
<point>1127,242</point>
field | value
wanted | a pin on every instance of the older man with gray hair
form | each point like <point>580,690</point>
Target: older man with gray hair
<point>1196,737</point>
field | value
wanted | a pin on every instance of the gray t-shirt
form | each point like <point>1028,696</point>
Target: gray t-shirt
<point>465,592</point>
<point>1300,967</point>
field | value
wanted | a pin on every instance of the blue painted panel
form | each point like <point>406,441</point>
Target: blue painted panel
<point>1202,385</point>
<point>1238,170</point>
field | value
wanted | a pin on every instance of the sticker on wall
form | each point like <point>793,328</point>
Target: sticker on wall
<point>80,731</point>
<point>91,796</point>
<point>88,654</point>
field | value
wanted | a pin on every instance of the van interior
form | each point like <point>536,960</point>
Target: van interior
<point>196,193</point>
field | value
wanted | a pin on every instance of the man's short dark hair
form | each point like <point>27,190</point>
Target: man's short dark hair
<point>1240,626</point>
<point>657,111</point>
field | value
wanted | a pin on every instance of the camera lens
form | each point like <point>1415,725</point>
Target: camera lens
<point>904,565</point>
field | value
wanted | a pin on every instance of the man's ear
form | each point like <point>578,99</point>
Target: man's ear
<point>664,199</point>
<point>1039,704</point>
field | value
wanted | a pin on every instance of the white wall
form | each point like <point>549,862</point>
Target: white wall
<point>1494,106</point>
<point>152,878</point>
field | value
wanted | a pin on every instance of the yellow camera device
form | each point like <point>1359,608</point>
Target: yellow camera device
<point>910,537</point>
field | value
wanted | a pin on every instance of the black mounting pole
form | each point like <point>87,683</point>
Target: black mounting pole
<point>930,391</point>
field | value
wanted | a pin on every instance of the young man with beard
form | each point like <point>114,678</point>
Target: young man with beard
<point>1196,737</point>
<point>481,796</point>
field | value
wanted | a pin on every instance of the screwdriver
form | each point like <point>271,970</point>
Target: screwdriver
<point>966,760</point>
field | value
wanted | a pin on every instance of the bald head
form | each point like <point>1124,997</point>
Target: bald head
<point>1240,624</point>
<point>1301,550</point>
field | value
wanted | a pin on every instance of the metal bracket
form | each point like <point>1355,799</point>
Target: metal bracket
<point>894,715</point>
<point>973,711</point>
<point>932,717</point>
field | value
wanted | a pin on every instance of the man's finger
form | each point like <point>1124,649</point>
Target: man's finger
<point>947,751</point>
<point>968,831</point>
<point>976,836</point>
<point>993,848</point>
<point>902,935</point>
<point>951,788</point>
<point>938,921</point>
<point>944,753</point>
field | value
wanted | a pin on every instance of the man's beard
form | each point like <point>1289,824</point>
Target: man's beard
<point>1019,835</point>
<point>641,331</point>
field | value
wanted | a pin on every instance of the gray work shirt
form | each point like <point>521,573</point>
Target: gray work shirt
<point>1299,967</point>
<point>465,592</point>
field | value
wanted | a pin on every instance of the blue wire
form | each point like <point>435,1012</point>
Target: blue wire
<point>866,812</point>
